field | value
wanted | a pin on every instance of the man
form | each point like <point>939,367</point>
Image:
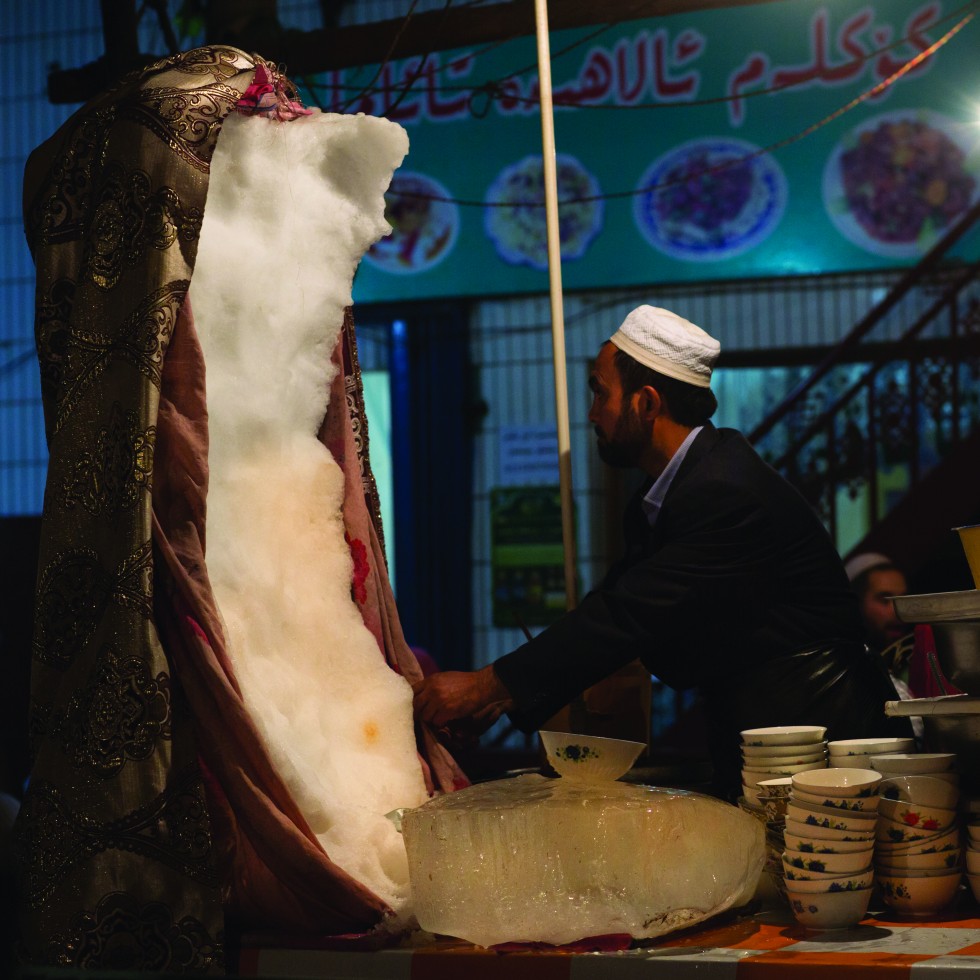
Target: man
<point>729,582</point>
<point>875,580</point>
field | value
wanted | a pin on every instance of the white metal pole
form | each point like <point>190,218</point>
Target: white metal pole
<point>554,285</point>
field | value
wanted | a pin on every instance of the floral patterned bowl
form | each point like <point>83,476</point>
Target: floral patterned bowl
<point>814,845</point>
<point>829,818</point>
<point>588,757</point>
<point>890,871</point>
<point>813,831</point>
<point>851,804</point>
<point>931,861</point>
<point>840,883</point>
<point>828,910</point>
<point>901,832</point>
<point>919,896</point>
<point>832,864</point>
<point>930,818</point>
<point>924,790</point>
<point>933,844</point>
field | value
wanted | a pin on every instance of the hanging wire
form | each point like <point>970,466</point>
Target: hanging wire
<point>387,58</point>
<point>492,88</point>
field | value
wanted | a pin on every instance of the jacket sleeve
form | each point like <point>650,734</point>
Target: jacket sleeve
<point>671,608</point>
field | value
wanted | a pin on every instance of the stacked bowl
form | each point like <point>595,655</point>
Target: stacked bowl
<point>829,836</point>
<point>855,753</point>
<point>973,855</point>
<point>771,753</point>
<point>918,853</point>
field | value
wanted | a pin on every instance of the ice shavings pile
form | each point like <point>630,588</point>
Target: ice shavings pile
<point>291,209</point>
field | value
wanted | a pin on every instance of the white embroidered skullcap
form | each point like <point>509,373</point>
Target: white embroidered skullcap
<point>859,564</point>
<point>669,344</point>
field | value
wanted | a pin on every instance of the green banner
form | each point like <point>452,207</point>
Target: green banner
<point>779,139</point>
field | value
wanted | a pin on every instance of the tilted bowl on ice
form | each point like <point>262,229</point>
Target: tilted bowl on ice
<point>532,859</point>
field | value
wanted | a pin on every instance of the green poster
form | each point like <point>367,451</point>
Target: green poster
<point>527,556</point>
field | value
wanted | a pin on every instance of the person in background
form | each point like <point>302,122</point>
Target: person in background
<point>729,583</point>
<point>875,580</point>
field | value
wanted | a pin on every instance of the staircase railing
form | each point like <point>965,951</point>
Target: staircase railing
<point>892,398</point>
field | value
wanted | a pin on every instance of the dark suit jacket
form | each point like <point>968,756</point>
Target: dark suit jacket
<point>736,590</point>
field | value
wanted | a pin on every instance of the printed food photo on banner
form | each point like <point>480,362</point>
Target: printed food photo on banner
<point>898,181</point>
<point>424,224</point>
<point>710,199</point>
<point>515,213</point>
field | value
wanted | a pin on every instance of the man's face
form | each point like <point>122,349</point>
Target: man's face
<point>883,626</point>
<point>621,433</point>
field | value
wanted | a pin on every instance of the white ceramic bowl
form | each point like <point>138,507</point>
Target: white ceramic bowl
<point>973,832</point>
<point>918,862</point>
<point>870,746</point>
<point>936,843</point>
<point>828,910</point>
<point>816,832</point>
<point>589,758</point>
<point>839,782</point>
<point>919,896</point>
<point>831,864</point>
<point>830,819</point>
<point>814,845</point>
<point>784,735</point>
<point>751,794</point>
<point>778,762</point>
<point>972,861</point>
<point>848,761</point>
<point>930,818</point>
<point>829,883</point>
<point>785,768</point>
<point>924,790</point>
<point>847,804</point>
<point>891,871</point>
<point>782,751</point>
<point>913,763</point>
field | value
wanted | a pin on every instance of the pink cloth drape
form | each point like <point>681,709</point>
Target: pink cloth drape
<point>277,873</point>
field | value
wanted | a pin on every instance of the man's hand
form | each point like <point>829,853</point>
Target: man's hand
<point>453,695</point>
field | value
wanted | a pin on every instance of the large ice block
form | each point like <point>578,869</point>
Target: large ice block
<point>532,859</point>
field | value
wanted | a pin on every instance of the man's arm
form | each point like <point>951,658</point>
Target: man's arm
<point>454,694</point>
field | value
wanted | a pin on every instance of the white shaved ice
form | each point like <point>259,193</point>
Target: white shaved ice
<point>291,209</point>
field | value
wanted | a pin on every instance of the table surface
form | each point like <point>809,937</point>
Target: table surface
<point>769,945</point>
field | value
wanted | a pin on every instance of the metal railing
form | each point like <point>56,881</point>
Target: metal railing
<point>889,402</point>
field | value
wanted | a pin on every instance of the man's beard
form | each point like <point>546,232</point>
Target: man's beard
<point>627,442</point>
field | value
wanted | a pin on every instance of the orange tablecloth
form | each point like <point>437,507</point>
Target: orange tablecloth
<point>766,946</point>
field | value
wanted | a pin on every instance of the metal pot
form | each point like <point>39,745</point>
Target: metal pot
<point>958,651</point>
<point>959,734</point>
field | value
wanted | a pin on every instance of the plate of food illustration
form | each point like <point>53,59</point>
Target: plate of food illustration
<point>515,221</point>
<point>897,182</point>
<point>424,223</point>
<point>710,199</point>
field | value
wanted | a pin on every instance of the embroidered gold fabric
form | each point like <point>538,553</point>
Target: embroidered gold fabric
<point>115,831</point>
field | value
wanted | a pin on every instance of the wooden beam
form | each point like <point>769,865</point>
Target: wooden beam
<point>251,26</point>
<point>313,52</point>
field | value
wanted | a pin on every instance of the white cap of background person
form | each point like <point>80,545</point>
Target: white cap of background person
<point>668,344</point>
<point>865,561</point>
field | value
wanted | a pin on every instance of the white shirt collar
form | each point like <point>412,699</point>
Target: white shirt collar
<point>654,497</point>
